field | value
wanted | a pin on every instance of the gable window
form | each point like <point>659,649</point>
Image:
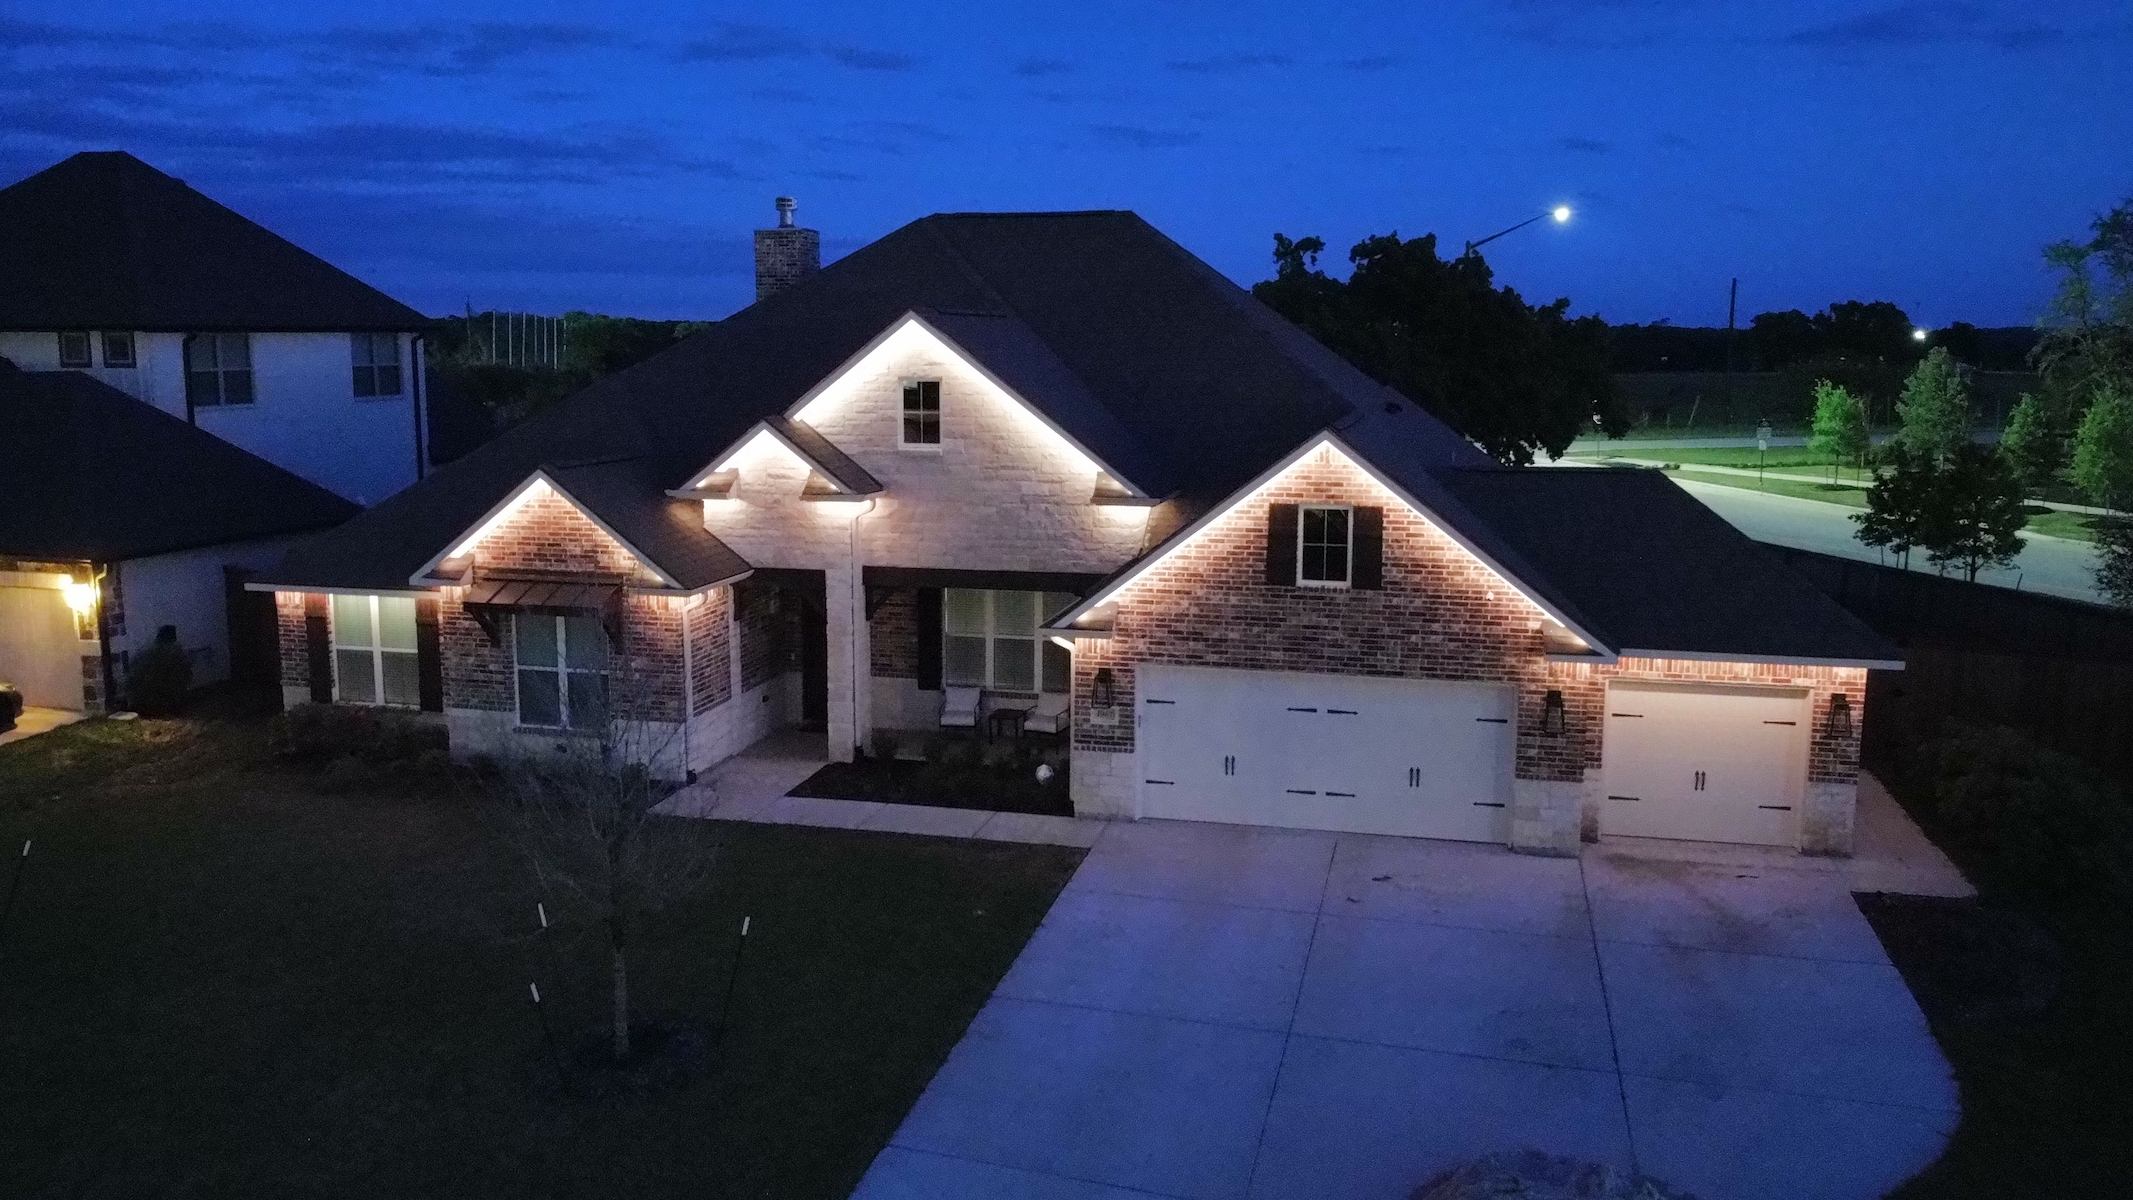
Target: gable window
<point>562,670</point>
<point>374,656</point>
<point>118,349</point>
<point>989,640</point>
<point>73,349</point>
<point>1323,545</point>
<point>218,369</point>
<point>922,412</point>
<point>377,363</point>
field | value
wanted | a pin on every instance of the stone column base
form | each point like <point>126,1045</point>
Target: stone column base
<point>1826,819</point>
<point>1547,816</point>
<point>1101,784</point>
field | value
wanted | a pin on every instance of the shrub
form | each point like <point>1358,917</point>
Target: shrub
<point>322,736</point>
<point>156,681</point>
<point>2033,818</point>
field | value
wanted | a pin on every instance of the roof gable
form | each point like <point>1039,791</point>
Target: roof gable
<point>102,240</point>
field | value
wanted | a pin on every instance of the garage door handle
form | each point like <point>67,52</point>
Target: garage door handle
<point>1300,792</point>
<point>1164,782</point>
<point>1778,807</point>
<point>1349,795</point>
<point>1781,722</point>
<point>1341,712</point>
<point>1494,720</point>
<point>1637,715</point>
<point>1488,804</point>
<point>1303,710</point>
<point>1625,797</point>
<point>1159,702</point>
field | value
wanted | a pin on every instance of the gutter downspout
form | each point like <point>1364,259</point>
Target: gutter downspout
<point>857,600</point>
<point>415,352</point>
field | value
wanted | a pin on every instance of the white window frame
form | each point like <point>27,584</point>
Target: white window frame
<point>104,340</point>
<point>902,415</point>
<point>88,350</point>
<point>994,635</point>
<point>1347,578</point>
<point>362,346</point>
<point>221,371</point>
<point>562,670</point>
<point>376,652</point>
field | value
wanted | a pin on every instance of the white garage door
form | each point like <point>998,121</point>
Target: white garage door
<point>38,650</point>
<point>1397,756</point>
<point>1704,764</point>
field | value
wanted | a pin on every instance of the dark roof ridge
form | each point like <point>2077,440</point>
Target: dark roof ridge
<point>1050,212</point>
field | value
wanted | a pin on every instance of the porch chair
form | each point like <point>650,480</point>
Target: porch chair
<point>1052,714</point>
<point>959,707</point>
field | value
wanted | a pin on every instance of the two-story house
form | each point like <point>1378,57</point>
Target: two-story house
<point>1055,455</point>
<point>112,268</point>
<point>116,275</point>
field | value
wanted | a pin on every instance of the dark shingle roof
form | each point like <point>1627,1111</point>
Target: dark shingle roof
<point>1650,568</point>
<point>669,532</point>
<point>94,474</point>
<point>105,241</point>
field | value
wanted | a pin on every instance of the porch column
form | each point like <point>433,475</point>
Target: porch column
<point>850,701</point>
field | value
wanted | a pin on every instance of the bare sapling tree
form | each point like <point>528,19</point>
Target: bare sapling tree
<point>581,814</point>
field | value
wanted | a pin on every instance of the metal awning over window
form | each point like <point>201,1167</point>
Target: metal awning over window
<point>488,600</point>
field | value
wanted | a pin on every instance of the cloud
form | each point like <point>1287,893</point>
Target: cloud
<point>1585,145</point>
<point>1146,139</point>
<point>1225,64</point>
<point>1927,22</point>
<point>740,41</point>
<point>871,60</point>
<point>1032,68</point>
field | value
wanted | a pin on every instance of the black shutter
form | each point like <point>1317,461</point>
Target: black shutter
<point>429,656</point>
<point>319,642</point>
<point>929,639</point>
<point>1367,570</point>
<point>1281,544</point>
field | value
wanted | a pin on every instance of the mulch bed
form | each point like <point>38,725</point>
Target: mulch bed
<point>941,785</point>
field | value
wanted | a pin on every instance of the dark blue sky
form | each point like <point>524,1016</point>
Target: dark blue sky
<point>551,156</point>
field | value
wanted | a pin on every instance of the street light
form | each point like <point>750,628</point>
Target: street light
<point>1918,335</point>
<point>1560,213</point>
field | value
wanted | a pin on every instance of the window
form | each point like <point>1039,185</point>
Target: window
<point>922,412</point>
<point>218,369</point>
<point>1323,542</point>
<point>374,658</point>
<point>377,363</point>
<point>990,640</point>
<point>74,350</point>
<point>562,671</point>
<point>118,349</point>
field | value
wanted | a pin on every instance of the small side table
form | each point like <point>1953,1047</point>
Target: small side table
<point>1007,721</point>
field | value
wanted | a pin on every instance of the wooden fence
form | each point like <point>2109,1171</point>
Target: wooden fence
<point>2060,671</point>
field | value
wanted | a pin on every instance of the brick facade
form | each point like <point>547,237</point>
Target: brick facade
<point>893,634</point>
<point>711,651</point>
<point>1441,614</point>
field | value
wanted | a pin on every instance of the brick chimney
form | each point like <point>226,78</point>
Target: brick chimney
<point>785,255</point>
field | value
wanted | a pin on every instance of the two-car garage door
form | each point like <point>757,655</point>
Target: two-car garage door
<point>1365,755</point>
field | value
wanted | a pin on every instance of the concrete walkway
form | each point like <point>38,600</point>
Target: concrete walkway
<point>752,786</point>
<point>34,721</point>
<point>1220,1011</point>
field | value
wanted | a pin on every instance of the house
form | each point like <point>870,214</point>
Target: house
<point>121,519</point>
<point>114,269</point>
<point>1053,455</point>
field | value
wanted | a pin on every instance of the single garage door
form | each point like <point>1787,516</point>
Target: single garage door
<point>1704,764</point>
<point>1362,755</point>
<point>38,650</point>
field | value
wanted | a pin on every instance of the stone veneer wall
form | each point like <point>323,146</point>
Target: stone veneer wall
<point>1441,614</point>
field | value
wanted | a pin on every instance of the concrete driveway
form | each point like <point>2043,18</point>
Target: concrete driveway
<point>1217,1011</point>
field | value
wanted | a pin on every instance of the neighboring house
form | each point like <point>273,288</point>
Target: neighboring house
<point>1055,455</point>
<point>119,520</point>
<point>112,268</point>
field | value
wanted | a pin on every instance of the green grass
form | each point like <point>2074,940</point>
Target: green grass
<point>1848,494</point>
<point>221,979</point>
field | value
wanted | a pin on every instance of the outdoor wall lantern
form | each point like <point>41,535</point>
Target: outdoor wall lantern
<point>1840,716</point>
<point>1552,718</point>
<point>1103,690</point>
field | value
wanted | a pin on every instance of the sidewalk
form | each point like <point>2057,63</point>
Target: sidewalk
<point>752,786</point>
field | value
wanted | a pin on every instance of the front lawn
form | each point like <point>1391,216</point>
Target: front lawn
<point>225,978</point>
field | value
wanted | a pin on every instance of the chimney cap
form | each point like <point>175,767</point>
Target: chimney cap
<point>785,211</point>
